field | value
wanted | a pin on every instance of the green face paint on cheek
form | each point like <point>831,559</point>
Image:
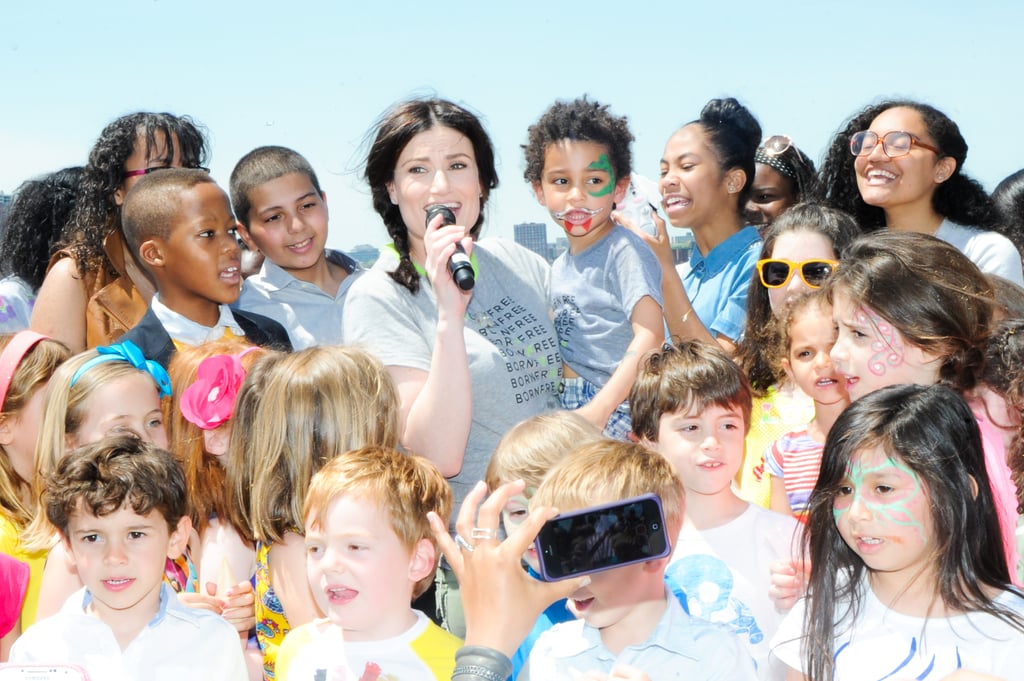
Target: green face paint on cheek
<point>604,164</point>
<point>897,505</point>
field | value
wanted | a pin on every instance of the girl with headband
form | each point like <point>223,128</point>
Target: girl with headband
<point>27,361</point>
<point>111,390</point>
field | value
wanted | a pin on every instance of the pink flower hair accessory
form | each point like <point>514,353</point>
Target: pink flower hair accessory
<point>209,402</point>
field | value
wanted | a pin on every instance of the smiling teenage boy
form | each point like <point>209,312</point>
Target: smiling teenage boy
<point>629,623</point>
<point>181,225</point>
<point>282,213</point>
<point>692,403</point>
<point>119,506</point>
<point>369,552</point>
<point>605,289</point>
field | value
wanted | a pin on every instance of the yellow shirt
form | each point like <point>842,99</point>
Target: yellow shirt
<point>11,545</point>
<point>772,416</point>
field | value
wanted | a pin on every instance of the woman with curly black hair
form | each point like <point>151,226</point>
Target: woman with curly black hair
<point>33,227</point>
<point>899,165</point>
<point>95,290</point>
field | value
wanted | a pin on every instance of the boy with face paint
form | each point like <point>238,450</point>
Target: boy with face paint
<point>605,290</point>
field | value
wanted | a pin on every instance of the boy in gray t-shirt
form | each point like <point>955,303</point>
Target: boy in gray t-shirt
<point>605,290</point>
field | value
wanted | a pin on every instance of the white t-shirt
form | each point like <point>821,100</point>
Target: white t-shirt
<point>723,575</point>
<point>992,252</point>
<point>884,644</point>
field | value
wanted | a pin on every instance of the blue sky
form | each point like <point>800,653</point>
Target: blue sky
<point>314,75</point>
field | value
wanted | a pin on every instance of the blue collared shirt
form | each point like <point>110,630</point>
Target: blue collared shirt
<point>309,315</point>
<point>717,282</point>
<point>681,647</point>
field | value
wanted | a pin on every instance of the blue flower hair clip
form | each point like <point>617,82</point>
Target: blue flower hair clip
<point>126,351</point>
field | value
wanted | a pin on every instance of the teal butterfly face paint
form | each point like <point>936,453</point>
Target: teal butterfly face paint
<point>883,512</point>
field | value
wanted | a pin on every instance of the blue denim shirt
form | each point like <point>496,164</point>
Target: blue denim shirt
<point>717,282</point>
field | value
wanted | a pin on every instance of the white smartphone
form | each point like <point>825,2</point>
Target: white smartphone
<point>641,195</point>
<point>42,672</point>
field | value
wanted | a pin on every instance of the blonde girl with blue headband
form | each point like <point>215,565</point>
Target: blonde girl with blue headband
<point>112,390</point>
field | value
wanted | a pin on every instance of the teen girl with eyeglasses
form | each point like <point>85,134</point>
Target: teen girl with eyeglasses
<point>800,251</point>
<point>899,165</point>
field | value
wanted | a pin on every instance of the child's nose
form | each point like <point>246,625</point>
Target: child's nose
<point>838,352</point>
<point>858,508</point>
<point>115,554</point>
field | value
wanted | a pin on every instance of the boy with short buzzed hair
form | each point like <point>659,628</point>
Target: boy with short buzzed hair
<point>180,224</point>
<point>692,404</point>
<point>282,213</point>
<point>370,552</point>
<point>119,506</point>
<point>629,623</point>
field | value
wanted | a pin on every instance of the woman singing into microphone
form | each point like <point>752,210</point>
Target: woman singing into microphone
<point>469,364</point>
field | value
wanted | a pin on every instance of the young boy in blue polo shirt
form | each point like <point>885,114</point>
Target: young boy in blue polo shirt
<point>282,213</point>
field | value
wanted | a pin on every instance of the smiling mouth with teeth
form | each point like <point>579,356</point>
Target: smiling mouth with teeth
<point>577,218</point>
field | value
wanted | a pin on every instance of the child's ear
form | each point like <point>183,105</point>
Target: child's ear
<point>178,539</point>
<point>620,189</point>
<point>69,555</point>
<point>423,561</point>
<point>538,191</point>
<point>246,236</point>
<point>152,253</point>
<point>787,368</point>
<point>974,486</point>
<point>6,430</point>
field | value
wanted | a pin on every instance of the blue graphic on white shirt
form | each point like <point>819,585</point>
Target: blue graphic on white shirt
<point>703,584</point>
<point>905,670</point>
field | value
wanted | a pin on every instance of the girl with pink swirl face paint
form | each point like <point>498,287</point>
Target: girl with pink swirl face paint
<point>871,353</point>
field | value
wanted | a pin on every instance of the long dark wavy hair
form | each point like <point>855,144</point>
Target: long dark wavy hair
<point>756,352</point>
<point>930,430</point>
<point>35,223</point>
<point>393,132</point>
<point>96,213</point>
<point>960,198</point>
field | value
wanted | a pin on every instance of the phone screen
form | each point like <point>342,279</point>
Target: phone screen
<point>602,537</point>
<point>42,672</point>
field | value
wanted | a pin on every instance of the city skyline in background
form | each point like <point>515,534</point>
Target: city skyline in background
<point>316,76</point>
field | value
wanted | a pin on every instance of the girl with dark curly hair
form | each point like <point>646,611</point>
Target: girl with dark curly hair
<point>899,165</point>
<point>33,227</point>
<point>95,290</point>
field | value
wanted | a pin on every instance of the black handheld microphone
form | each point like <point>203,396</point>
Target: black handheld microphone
<point>459,265</point>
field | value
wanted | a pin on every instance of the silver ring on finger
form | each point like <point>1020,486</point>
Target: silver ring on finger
<point>483,533</point>
<point>463,544</point>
